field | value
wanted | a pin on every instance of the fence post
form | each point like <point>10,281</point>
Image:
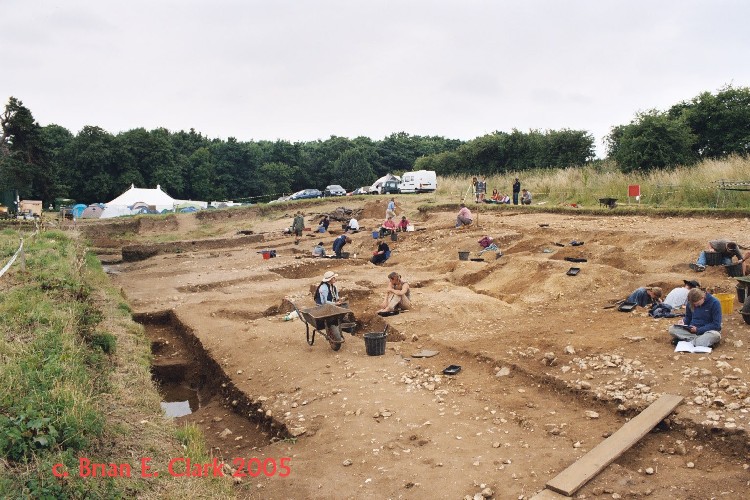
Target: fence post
<point>23,257</point>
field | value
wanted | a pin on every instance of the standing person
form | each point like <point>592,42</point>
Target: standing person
<point>727,249</point>
<point>516,190</point>
<point>338,244</point>
<point>481,189</point>
<point>474,190</point>
<point>677,298</point>
<point>297,226</point>
<point>645,295</point>
<point>323,224</point>
<point>381,254</point>
<point>397,295</point>
<point>464,217</point>
<point>702,321</point>
<point>390,211</point>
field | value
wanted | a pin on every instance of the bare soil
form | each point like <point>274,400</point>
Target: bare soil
<point>547,371</point>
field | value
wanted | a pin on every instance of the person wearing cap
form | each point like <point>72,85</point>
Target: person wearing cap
<point>464,217</point>
<point>677,298</point>
<point>327,293</point>
<point>397,295</point>
<point>645,296</point>
<point>702,322</point>
<point>319,250</point>
<point>727,249</point>
<point>338,244</point>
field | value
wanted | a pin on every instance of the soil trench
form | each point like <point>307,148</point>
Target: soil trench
<point>546,372</point>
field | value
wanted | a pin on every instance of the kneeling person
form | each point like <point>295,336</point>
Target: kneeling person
<point>702,319</point>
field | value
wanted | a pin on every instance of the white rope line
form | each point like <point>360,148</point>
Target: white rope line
<point>12,259</point>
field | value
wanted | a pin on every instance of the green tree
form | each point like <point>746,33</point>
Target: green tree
<point>352,170</point>
<point>24,158</point>
<point>653,140</point>
<point>93,166</point>
<point>721,122</point>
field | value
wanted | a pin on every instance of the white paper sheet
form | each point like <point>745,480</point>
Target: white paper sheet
<point>687,346</point>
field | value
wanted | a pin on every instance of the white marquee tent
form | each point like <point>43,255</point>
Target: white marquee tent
<point>153,197</point>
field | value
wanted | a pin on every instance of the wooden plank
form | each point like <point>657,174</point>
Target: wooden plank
<point>571,479</point>
<point>548,495</point>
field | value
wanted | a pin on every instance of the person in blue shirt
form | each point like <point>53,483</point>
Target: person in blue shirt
<point>702,321</point>
<point>338,244</point>
<point>327,293</point>
<point>645,296</point>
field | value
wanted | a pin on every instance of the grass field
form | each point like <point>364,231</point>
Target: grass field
<point>685,187</point>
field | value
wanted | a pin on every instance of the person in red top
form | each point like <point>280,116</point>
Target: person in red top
<point>403,224</point>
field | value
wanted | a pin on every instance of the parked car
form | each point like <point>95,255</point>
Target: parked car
<point>391,187</point>
<point>334,190</point>
<point>306,194</point>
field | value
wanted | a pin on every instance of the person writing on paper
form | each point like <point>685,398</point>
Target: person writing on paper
<point>702,322</point>
<point>397,295</point>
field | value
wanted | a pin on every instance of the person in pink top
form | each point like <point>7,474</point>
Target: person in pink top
<point>464,216</point>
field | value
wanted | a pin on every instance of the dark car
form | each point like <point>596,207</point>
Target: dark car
<point>306,193</point>
<point>391,187</point>
<point>334,190</point>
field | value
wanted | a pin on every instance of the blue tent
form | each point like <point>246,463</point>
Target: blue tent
<point>78,210</point>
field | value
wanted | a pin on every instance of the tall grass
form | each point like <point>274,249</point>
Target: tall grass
<point>683,187</point>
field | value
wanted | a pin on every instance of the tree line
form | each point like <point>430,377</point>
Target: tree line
<point>45,162</point>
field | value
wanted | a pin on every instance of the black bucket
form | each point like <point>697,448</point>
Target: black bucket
<point>734,270</point>
<point>375,344</point>
<point>741,292</point>
<point>463,255</point>
<point>714,258</point>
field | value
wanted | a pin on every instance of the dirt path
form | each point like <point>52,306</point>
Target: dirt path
<point>546,371</point>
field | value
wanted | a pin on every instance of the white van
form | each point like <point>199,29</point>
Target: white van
<point>421,181</point>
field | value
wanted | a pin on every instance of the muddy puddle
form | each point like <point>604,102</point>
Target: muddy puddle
<point>195,390</point>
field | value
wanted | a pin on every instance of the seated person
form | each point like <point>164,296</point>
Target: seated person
<point>397,296</point>
<point>495,196</point>
<point>677,298</point>
<point>338,244</point>
<point>525,197</point>
<point>387,228</point>
<point>323,224</point>
<point>505,199</point>
<point>381,254</point>
<point>353,226</point>
<point>727,249</point>
<point>703,319</point>
<point>319,250</point>
<point>464,217</point>
<point>645,296</point>
<point>403,224</point>
<point>327,293</point>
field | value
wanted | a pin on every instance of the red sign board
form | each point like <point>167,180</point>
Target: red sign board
<point>634,190</point>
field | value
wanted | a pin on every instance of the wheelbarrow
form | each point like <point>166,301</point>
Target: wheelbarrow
<point>325,320</point>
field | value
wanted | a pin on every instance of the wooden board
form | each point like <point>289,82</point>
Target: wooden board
<point>548,495</point>
<point>571,479</point>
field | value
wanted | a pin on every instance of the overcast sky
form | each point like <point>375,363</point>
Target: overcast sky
<point>308,69</point>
